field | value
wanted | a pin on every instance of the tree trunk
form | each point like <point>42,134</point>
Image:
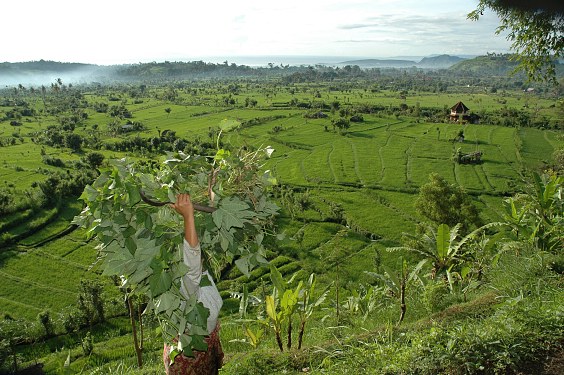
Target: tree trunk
<point>402,301</point>
<point>279,341</point>
<point>140,317</point>
<point>289,342</point>
<point>134,329</point>
<point>301,335</point>
<point>14,355</point>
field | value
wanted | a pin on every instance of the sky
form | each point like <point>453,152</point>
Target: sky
<point>108,32</point>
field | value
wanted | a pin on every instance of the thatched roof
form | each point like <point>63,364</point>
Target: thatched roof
<point>459,108</point>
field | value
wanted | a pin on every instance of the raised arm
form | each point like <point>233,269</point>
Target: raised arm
<point>192,254</point>
<point>185,208</point>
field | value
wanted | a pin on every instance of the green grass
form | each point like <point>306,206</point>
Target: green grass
<point>372,172</point>
<point>32,278</point>
<point>59,223</point>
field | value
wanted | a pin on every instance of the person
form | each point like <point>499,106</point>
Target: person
<point>210,361</point>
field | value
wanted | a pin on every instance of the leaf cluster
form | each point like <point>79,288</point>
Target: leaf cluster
<point>536,32</point>
<point>142,244</point>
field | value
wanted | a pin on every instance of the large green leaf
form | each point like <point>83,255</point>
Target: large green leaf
<point>147,249</point>
<point>443,236</point>
<point>232,213</point>
<point>133,196</point>
<point>139,274</point>
<point>244,265</point>
<point>115,260</point>
<point>166,302</point>
<point>277,279</point>
<point>271,308</point>
<point>160,282</point>
<point>198,316</point>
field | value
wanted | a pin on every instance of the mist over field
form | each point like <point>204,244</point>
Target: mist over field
<point>37,73</point>
<point>13,75</point>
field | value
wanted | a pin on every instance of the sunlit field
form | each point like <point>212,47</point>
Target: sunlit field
<point>357,187</point>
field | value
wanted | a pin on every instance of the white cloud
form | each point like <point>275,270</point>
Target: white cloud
<point>119,31</point>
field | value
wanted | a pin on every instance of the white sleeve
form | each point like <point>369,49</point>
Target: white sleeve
<point>211,299</point>
<point>193,259</point>
<point>190,284</point>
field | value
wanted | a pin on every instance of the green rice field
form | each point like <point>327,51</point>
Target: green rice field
<point>372,171</point>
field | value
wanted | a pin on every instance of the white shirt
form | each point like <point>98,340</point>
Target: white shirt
<point>190,284</point>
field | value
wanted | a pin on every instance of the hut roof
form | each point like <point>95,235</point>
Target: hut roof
<point>459,108</point>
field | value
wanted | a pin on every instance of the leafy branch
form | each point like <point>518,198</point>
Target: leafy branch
<point>141,243</point>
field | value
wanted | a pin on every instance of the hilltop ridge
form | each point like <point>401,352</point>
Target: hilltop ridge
<point>432,62</point>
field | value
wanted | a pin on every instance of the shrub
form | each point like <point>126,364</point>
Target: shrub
<point>445,203</point>
<point>434,295</point>
<point>6,199</point>
<point>44,319</point>
<point>87,344</point>
<point>55,162</point>
<point>94,159</point>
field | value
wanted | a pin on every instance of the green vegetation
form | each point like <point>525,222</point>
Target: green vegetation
<point>535,31</point>
<point>353,152</point>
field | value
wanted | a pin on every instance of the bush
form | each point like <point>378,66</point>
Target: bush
<point>6,199</point>
<point>87,344</point>
<point>94,159</point>
<point>44,319</point>
<point>55,162</point>
<point>434,295</point>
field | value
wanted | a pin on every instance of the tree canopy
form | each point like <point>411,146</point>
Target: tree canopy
<point>443,203</point>
<point>536,30</point>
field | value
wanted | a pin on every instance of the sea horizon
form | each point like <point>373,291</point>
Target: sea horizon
<point>259,60</point>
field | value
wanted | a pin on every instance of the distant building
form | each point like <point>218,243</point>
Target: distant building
<point>460,113</point>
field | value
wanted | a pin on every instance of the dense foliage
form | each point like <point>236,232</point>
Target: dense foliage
<point>141,243</point>
<point>536,31</point>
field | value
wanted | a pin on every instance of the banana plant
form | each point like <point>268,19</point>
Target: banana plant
<point>253,337</point>
<point>397,280</point>
<point>363,301</point>
<point>485,254</point>
<point>281,306</point>
<point>442,247</point>
<point>538,215</point>
<point>308,304</point>
<point>284,302</point>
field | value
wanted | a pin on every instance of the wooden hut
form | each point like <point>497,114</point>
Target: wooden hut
<point>460,113</point>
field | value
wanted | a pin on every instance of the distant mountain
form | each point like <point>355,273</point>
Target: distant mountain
<point>491,64</point>
<point>42,66</point>
<point>441,61</point>
<point>377,63</point>
<point>433,62</point>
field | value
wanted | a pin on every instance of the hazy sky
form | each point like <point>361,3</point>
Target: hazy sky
<point>126,31</point>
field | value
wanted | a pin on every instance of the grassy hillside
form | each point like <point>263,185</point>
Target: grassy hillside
<point>346,194</point>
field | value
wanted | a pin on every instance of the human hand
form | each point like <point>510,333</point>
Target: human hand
<point>183,205</point>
